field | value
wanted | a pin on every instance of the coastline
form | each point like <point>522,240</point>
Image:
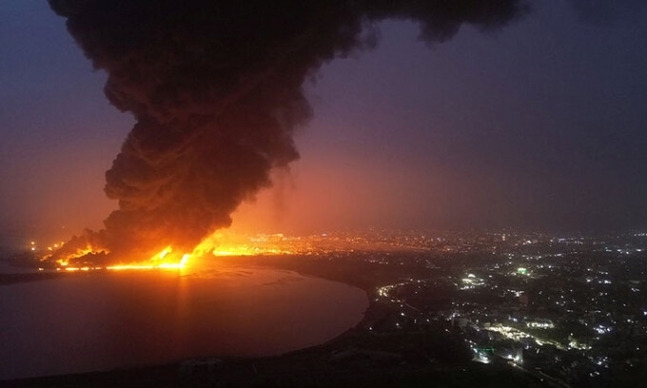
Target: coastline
<point>359,300</point>
<point>355,357</point>
<point>14,278</point>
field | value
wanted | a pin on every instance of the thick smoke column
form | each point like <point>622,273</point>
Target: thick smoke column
<point>216,90</point>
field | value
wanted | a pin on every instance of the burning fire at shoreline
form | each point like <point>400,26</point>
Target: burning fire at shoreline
<point>216,91</point>
<point>217,244</point>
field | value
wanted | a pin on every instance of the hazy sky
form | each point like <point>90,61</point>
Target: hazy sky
<point>541,125</point>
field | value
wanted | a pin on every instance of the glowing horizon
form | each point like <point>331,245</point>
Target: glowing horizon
<point>218,244</point>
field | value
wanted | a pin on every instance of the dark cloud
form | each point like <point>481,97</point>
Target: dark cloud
<point>216,90</point>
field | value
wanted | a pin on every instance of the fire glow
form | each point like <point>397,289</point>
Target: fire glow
<point>217,245</point>
<point>155,263</point>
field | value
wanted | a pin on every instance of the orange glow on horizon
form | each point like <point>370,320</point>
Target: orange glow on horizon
<point>226,243</point>
<point>65,260</point>
<point>154,262</point>
<point>218,244</point>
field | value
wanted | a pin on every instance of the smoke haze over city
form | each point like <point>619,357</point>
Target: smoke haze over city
<point>527,117</point>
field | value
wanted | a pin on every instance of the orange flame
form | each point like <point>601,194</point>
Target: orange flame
<point>218,244</point>
<point>156,262</point>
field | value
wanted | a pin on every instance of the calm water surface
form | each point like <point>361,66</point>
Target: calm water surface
<point>104,321</point>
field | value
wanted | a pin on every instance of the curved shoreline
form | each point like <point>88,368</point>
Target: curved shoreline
<point>289,316</point>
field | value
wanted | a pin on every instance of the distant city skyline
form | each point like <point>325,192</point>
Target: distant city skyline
<point>537,125</point>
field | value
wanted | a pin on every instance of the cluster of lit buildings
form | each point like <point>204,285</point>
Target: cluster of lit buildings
<point>573,310</point>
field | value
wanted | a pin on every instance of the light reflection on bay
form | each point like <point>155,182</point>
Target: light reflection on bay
<point>113,320</point>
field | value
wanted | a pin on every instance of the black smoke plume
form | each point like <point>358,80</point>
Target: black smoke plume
<point>216,90</point>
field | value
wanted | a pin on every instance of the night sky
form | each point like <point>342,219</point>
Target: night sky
<point>539,125</point>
